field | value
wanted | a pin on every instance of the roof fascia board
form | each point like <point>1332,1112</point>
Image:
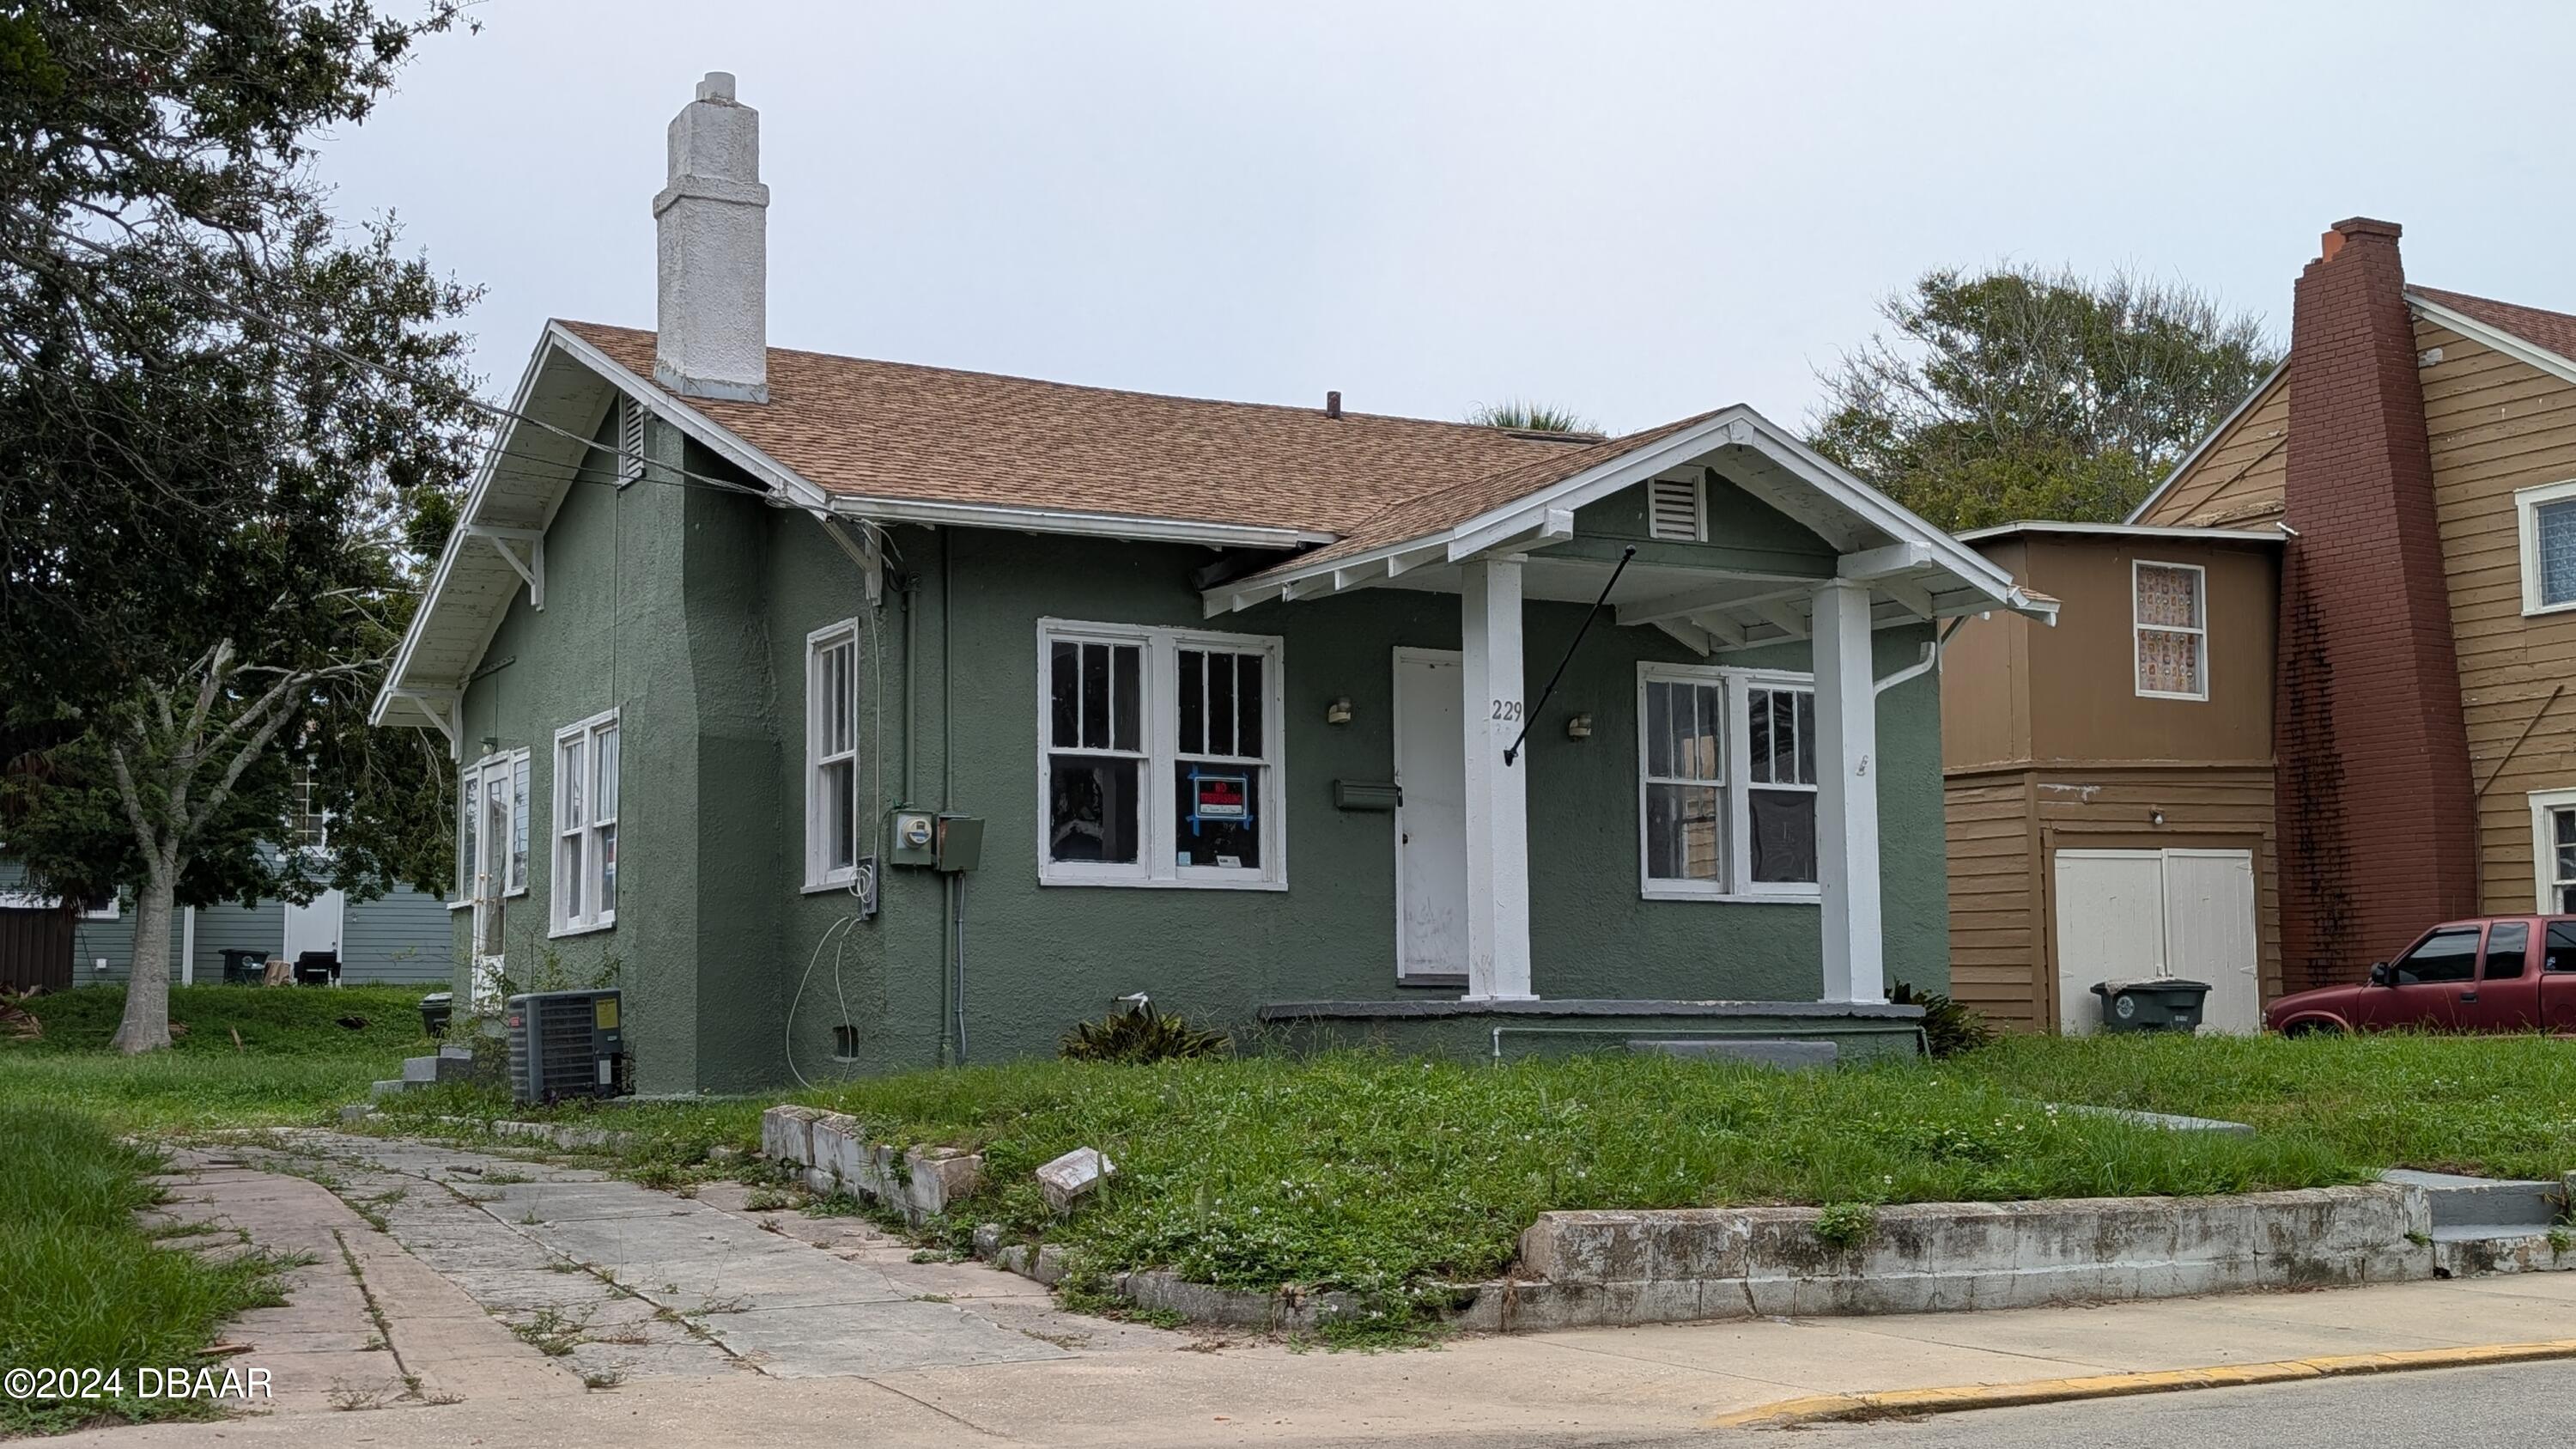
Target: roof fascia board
<point>502,432</point>
<point>2182,531</point>
<point>717,438</point>
<point>2207,441</point>
<point>2520,349</point>
<point>1064,521</point>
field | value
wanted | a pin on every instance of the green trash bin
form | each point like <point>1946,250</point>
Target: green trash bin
<point>2159,1004</point>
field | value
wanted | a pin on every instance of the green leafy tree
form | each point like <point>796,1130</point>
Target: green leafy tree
<point>2022,393</point>
<point>229,426</point>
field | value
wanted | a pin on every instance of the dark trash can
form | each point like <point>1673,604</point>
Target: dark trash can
<point>244,967</point>
<point>436,1010</point>
<point>2162,1004</point>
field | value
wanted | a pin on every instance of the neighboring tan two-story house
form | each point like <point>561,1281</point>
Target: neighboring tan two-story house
<point>2350,620</point>
<point>862,715</point>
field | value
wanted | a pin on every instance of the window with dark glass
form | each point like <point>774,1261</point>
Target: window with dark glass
<point>1780,749</point>
<point>1218,764</point>
<point>2508,942</point>
<point>1095,749</point>
<point>1685,768</point>
<point>2446,955</point>
<point>2559,951</point>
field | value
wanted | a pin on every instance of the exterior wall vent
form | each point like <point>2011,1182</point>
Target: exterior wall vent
<point>630,441</point>
<point>1673,510</point>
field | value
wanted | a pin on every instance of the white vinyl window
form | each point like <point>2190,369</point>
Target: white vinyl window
<point>2171,615</point>
<point>1726,783</point>
<point>1159,757</point>
<point>2553,849</point>
<point>832,756</point>
<point>2547,518</point>
<point>585,874</point>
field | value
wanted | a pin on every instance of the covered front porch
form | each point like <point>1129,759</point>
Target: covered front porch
<point>1759,557</point>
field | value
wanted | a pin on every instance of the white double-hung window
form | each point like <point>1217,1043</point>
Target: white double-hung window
<point>585,873</point>
<point>2546,519</point>
<point>1159,756</point>
<point>2172,624</point>
<point>492,842</point>
<point>2553,849</point>
<point>832,756</point>
<point>1726,783</point>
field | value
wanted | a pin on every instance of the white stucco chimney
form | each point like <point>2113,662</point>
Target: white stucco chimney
<point>711,252</point>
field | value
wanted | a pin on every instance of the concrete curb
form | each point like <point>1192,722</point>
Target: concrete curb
<point>1960,1398</point>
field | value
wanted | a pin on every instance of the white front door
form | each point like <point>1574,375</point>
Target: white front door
<point>314,927</point>
<point>2128,915</point>
<point>1431,820</point>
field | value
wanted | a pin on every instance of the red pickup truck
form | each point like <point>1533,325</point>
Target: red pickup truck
<point>2496,973</point>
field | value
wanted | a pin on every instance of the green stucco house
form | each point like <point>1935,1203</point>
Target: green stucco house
<point>867,716</point>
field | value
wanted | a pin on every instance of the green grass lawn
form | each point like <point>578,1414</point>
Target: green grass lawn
<point>294,1062</point>
<point>83,1286</point>
<point>1388,1176</point>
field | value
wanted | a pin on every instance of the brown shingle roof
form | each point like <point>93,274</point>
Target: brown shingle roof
<point>2555,331</point>
<point>933,434</point>
<point>1434,512</point>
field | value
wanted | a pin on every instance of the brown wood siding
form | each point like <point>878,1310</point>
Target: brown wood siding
<point>2240,480</point>
<point>2497,425</point>
<point>1992,947</point>
<point>2004,827</point>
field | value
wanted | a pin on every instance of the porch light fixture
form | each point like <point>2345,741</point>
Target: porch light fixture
<point>1338,712</point>
<point>1578,727</point>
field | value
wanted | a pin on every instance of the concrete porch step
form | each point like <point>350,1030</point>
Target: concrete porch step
<point>1786,1054</point>
<point>2489,1206</point>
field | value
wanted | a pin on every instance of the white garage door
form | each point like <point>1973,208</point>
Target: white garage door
<point>2130,914</point>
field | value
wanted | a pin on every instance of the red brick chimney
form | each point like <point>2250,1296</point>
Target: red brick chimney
<point>2377,821</point>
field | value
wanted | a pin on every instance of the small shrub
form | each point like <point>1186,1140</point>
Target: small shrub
<point>1948,1028</point>
<point>1846,1224</point>
<point>1140,1036</point>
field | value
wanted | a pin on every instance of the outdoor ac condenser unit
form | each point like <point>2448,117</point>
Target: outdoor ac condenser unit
<point>565,1044</point>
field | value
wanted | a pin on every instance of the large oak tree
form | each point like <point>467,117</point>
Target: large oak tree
<point>230,427</point>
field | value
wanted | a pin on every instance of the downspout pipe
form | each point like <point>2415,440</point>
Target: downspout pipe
<point>1931,657</point>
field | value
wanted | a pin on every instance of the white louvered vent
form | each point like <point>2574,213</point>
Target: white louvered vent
<point>1672,509</point>
<point>630,441</point>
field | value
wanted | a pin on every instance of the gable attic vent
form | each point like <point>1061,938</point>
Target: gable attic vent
<point>1673,509</point>
<point>630,441</point>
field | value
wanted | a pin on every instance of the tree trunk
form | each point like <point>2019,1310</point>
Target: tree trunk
<point>146,1026</point>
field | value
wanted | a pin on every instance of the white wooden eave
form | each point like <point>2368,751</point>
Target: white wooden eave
<point>1914,572</point>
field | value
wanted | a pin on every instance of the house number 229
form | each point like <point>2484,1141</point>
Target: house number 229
<point>1507,709</point>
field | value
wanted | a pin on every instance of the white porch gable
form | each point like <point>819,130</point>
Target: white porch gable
<point>1889,567</point>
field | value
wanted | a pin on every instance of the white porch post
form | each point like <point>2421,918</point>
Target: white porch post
<point>1498,952</point>
<point>1847,792</point>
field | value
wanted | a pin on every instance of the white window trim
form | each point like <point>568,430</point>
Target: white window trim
<point>588,731</point>
<point>470,797</point>
<point>1737,885</point>
<point>1158,841</point>
<point>2544,846</point>
<point>2526,512</point>
<point>2200,599</point>
<point>818,876</point>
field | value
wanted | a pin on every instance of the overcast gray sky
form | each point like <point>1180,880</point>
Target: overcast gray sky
<point>1636,210</point>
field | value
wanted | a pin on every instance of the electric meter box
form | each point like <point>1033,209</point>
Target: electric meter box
<point>916,838</point>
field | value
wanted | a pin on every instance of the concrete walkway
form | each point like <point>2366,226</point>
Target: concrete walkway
<point>767,1327</point>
